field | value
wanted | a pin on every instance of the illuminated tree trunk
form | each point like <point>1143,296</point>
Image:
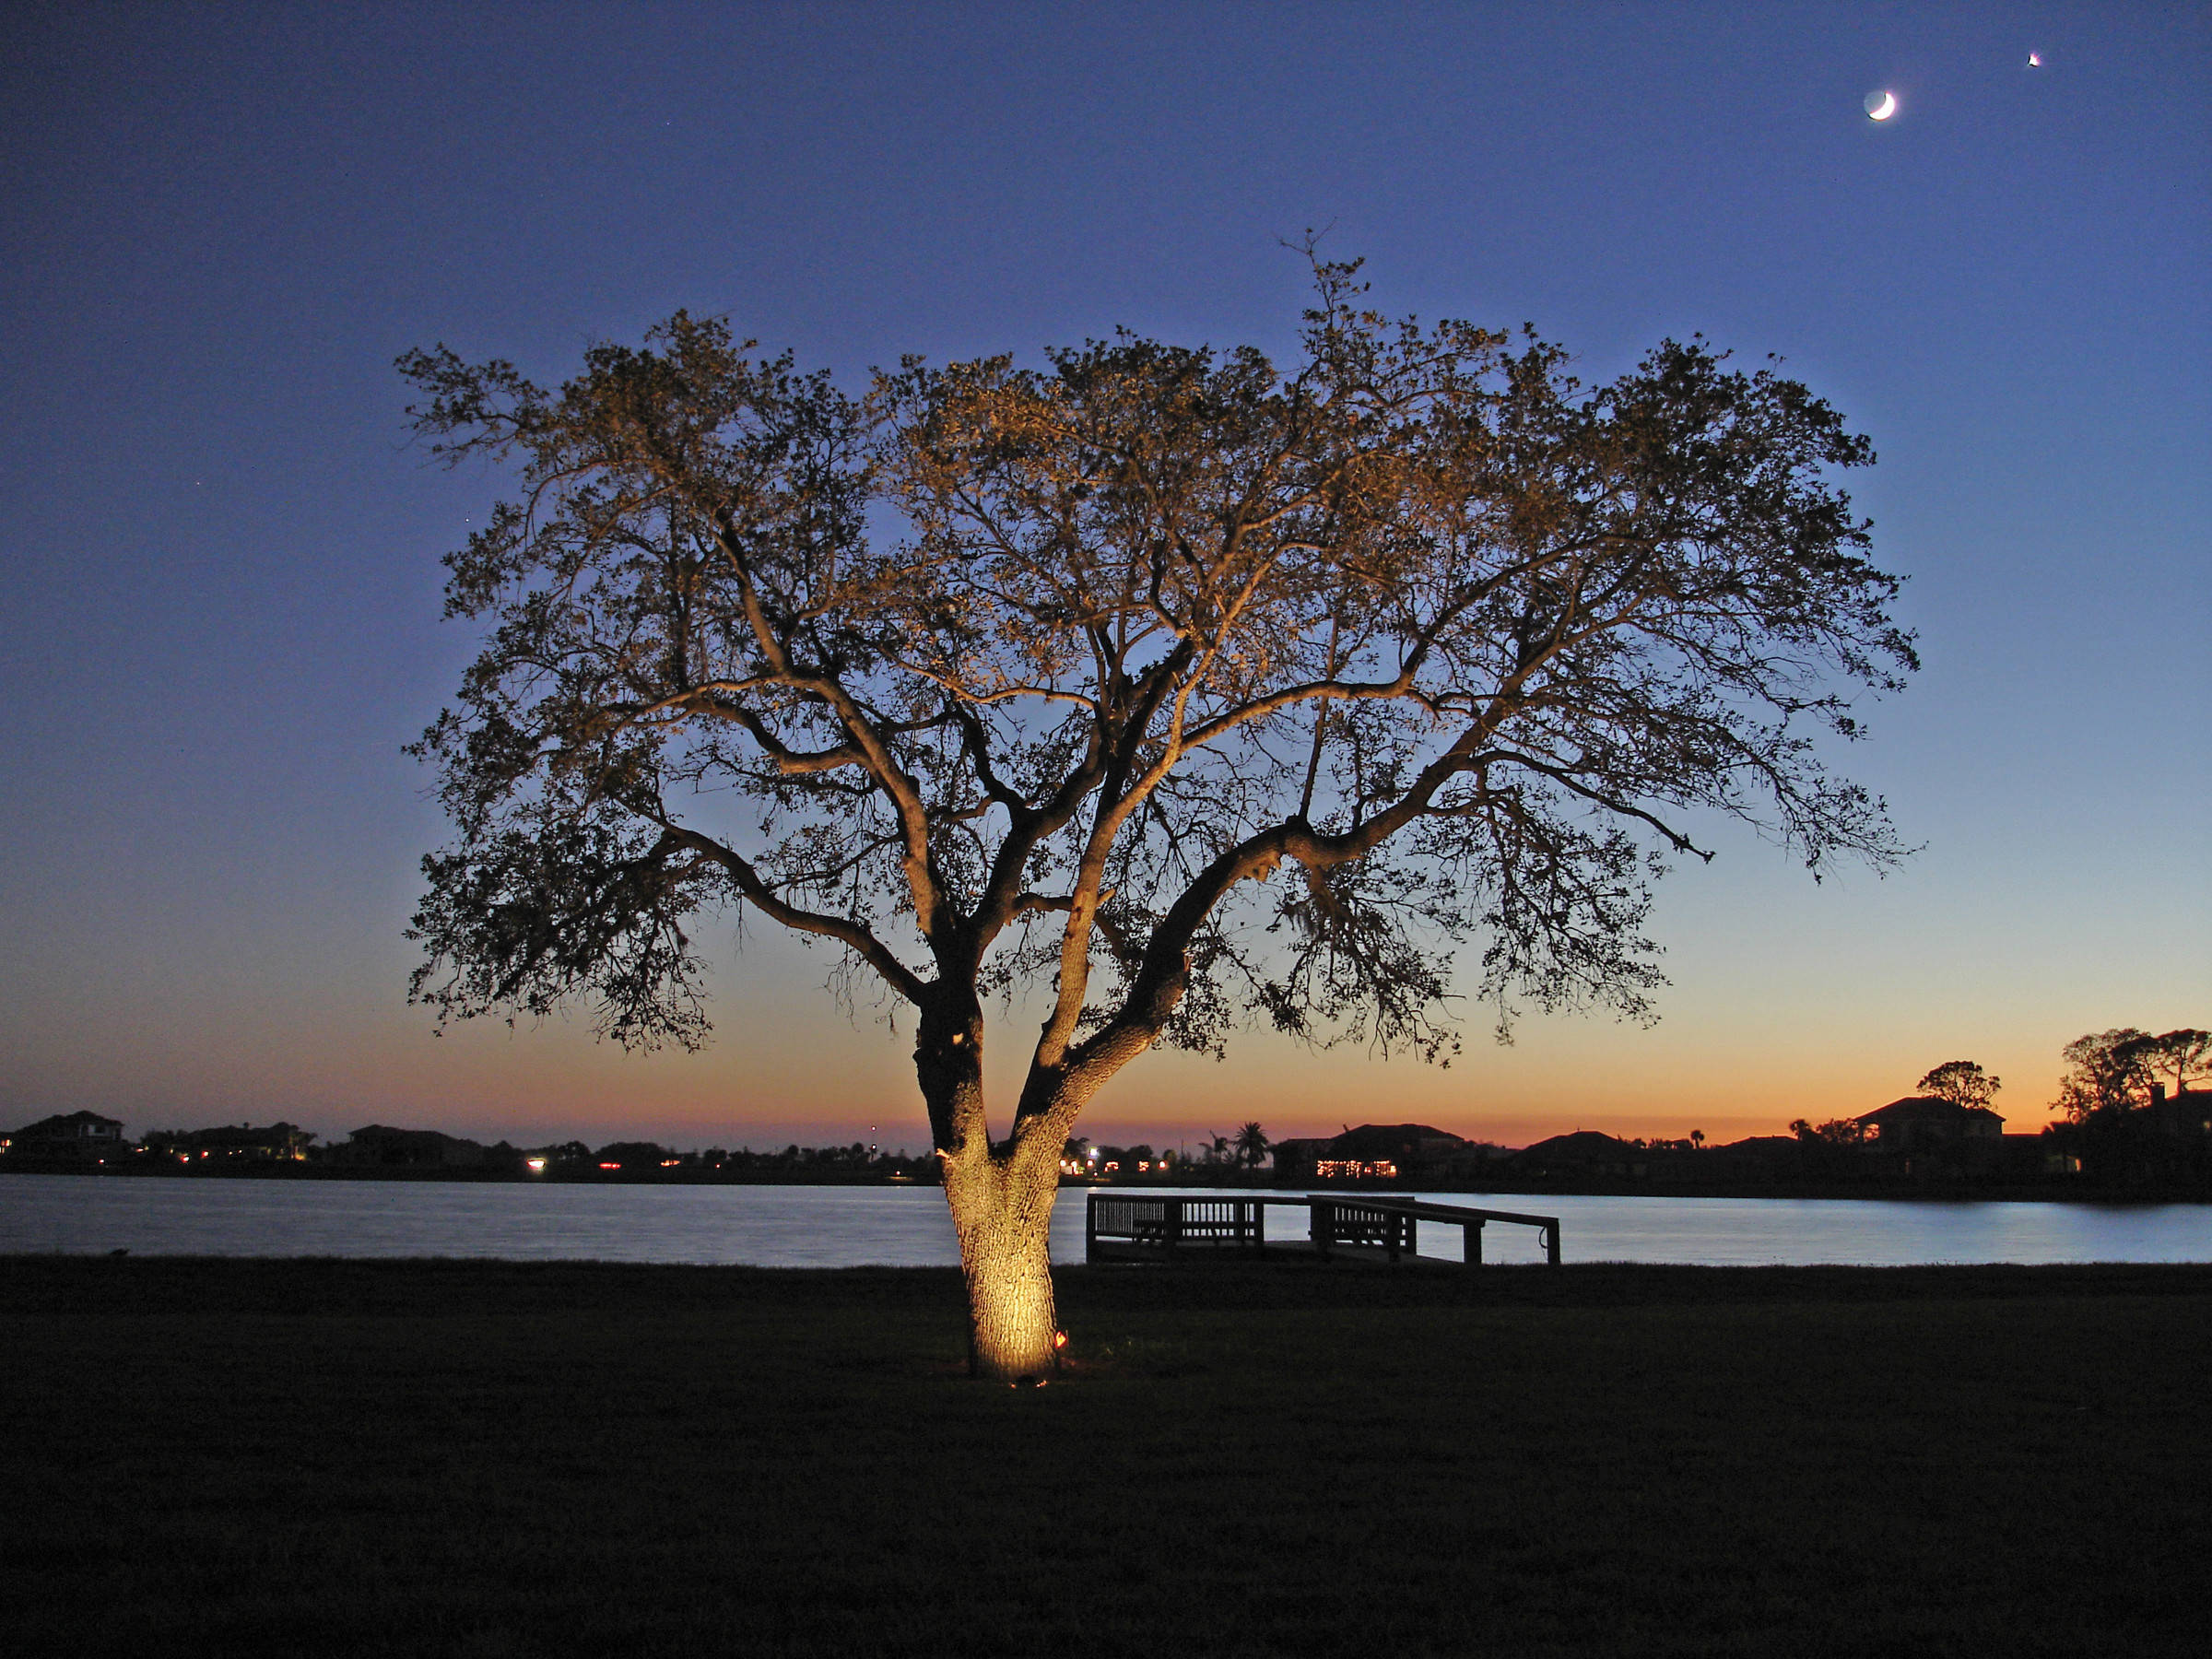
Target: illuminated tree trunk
<point>1002,1209</point>
<point>1001,1196</point>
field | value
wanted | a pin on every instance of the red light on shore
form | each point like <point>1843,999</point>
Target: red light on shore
<point>606,1166</point>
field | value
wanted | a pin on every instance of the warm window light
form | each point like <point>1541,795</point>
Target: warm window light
<point>1331,1168</point>
<point>537,1165</point>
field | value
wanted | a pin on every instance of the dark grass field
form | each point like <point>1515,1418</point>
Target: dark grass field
<point>486,1459</point>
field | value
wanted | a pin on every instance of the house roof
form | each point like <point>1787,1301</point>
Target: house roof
<point>64,1122</point>
<point>1924,1109</point>
<point>1369,1139</point>
<point>1582,1143</point>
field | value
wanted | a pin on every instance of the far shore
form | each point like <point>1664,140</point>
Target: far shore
<point>2057,1191</point>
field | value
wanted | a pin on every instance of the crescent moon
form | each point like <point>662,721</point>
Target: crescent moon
<point>1882,108</point>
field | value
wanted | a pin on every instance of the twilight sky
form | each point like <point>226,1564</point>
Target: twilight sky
<point>219,558</point>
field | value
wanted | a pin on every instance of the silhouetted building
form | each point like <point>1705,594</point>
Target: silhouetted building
<point>1585,1154</point>
<point>275,1143</point>
<point>1755,1158</point>
<point>1371,1152</point>
<point>380,1146</point>
<point>74,1135</point>
<point>1294,1159</point>
<point>2186,1115</point>
<point>1924,1123</point>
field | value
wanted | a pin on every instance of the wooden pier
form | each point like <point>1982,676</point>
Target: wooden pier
<point>1152,1227</point>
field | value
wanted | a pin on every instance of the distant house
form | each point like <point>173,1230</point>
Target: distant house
<point>275,1143</point>
<point>1757,1157</point>
<point>376,1145</point>
<point>76,1135</point>
<point>1371,1152</point>
<point>1583,1154</point>
<point>1295,1161</point>
<point>2186,1114</point>
<point>1924,1123</point>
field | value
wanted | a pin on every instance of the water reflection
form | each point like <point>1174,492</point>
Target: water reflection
<point>844,1227</point>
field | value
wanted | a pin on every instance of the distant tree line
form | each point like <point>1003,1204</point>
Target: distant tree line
<point>2134,1116</point>
<point>280,1148</point>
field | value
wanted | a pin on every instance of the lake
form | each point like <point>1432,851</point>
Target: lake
<point>907,1227</point>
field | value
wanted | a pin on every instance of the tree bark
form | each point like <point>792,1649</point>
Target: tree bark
<point>1002,1210</point>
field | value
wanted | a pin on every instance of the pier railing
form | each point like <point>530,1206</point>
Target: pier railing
<point>1152,1226</point>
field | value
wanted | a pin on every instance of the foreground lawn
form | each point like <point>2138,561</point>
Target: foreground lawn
<point>491,1459</point>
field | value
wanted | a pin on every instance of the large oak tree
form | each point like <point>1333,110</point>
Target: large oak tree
<point>1164,688</point>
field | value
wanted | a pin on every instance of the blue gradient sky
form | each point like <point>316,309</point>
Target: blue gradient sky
<point>219,560</point>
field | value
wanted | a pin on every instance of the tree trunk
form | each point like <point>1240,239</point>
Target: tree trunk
<point>1002,1209</point>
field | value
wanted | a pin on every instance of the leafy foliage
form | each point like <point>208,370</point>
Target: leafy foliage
<point>1836,1132</point>
<point>2111,1073</point>
<point>1253,1146</point>
<point>2105,1074</point>
<point>1962,1082</point>
<point>1000,678</point>
<point>2185,1055</point>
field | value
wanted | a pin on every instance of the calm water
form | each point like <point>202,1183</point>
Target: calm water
<point>844,1227</point>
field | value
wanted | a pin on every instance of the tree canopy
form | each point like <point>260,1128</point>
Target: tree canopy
<point>1962,1082</point>
<point>1253,1146</point>
<point>2111,1073</point>
<point>2184,1056</point>
<point>1003,678</point>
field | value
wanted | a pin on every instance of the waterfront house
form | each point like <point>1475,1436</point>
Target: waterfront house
<point>1924,1123</point>
<point>1583,1155</point>
<point>1295,1159</point>
<point>72,1135</point>
<point>1371,1152</point>
<point>242,1143</point>
<point>378,1145</point>
<point>2186,1114</point>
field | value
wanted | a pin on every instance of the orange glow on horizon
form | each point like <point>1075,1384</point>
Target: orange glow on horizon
<point>785,1068</point>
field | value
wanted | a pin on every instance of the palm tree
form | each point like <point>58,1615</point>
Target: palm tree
<point>1252,1145</point>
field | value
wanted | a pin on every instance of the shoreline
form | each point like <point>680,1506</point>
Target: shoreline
<point>1932,1192</point>
<point>1236,1286</point>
